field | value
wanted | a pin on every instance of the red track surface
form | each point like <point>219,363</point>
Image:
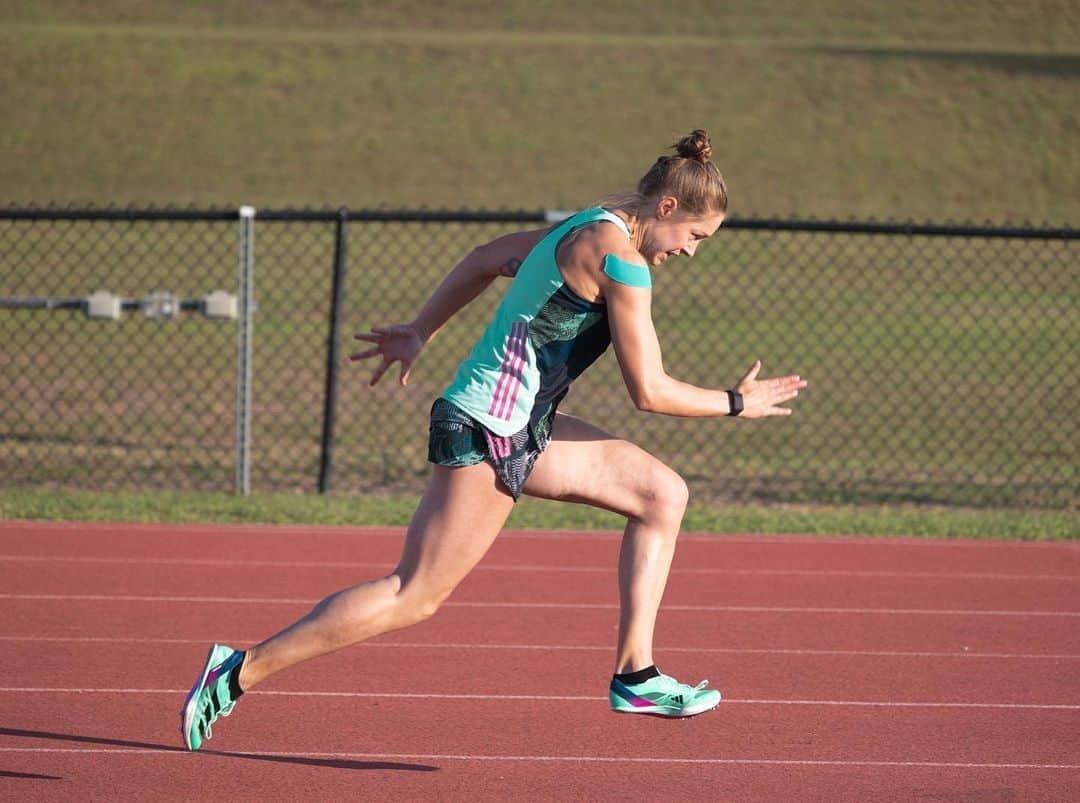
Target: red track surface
<point>852,669</point>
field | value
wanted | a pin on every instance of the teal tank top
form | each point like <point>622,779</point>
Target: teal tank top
<point>542,337</point>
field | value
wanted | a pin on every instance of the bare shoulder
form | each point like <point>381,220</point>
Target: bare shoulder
<point>592,243</point>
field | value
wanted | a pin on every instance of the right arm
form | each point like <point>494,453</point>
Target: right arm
<point>469,278</point>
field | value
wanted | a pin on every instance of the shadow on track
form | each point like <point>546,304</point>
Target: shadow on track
<point>308,761</point>
<point>33,776</point>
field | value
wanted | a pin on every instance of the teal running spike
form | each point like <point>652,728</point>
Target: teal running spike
<point>662,696</point>
<point>209,697</point>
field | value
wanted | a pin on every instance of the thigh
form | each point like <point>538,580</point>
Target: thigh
<point>458,518</point>
<point>583,463</point>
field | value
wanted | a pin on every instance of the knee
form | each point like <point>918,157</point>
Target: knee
<point>666,496</point>
<point>427,607</point>
<point>416,605</point>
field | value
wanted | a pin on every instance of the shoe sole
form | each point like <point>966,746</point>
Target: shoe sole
<point>187,714</point>
<point>670,713</point>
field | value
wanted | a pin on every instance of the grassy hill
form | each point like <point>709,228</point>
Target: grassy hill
<point>914,109</point>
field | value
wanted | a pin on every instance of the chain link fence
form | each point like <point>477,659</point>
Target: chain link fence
<point>943,361</point>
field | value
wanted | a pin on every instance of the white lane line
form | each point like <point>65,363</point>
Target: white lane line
<point>527,567</point>
<point>265,531</point>
<point>353,531</point>
<point>546,698</point>
<point>428,645</point>
<point>567,759</point>
<point>543,605</point>
<point>908,704</point>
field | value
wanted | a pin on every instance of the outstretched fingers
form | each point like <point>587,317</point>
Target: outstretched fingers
<point>783,389</point>
<point>377,374</point>
<point>363,355</point>
<point>768,394</point>
<point>399,343</point>
<point>787,387</point>
<point>375,337</point>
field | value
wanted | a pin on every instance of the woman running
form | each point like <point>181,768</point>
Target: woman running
<point>495,432</point>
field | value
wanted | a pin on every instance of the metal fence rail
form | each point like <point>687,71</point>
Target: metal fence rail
<point>943,360</point>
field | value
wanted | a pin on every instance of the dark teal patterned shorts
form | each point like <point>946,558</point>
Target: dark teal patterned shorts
<point>457,439</point>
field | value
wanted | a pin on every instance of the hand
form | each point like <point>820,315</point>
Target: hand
<point>399,343</point>
<point>761,397</point>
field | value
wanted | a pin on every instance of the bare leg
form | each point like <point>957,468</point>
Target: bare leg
<point>461,512</point>
<point>585,464</point>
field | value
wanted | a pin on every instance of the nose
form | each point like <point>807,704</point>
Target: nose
<point>690,248</point>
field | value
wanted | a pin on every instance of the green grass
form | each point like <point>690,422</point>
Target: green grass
<point>899,110</point>
<point>1033,24</point>
<point>177,507</point>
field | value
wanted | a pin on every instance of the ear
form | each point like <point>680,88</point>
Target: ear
<point>666,206</point>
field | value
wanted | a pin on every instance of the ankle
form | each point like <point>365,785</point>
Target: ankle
<point>638,676</point>
<point>246,677</point>
<point>235,689</point>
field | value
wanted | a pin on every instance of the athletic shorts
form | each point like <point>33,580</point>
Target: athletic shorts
<point>457,439</point>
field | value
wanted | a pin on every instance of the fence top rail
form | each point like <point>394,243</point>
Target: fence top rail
<point>525,216</point>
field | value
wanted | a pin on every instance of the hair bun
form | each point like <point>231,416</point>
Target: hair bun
<point>695,145</point>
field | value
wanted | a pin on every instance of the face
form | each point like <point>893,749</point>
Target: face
<point>673,232</point>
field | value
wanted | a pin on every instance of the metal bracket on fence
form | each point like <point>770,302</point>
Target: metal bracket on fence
<point>220,304</point>
<point>103,305</point>
<point>160,306</point>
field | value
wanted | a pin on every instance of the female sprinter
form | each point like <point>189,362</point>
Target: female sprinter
<point>495,432</point>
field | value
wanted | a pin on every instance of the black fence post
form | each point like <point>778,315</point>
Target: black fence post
<point>332,351</point>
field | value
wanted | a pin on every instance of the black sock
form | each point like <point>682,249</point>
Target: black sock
<point>234,678</point>
<point>632,678</point>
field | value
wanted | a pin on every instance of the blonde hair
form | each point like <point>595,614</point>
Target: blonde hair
<point>689,175</point>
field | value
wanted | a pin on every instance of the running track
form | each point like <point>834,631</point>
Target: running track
<point>852,669</point>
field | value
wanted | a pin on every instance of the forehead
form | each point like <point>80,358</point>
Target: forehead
<point>704,224</point>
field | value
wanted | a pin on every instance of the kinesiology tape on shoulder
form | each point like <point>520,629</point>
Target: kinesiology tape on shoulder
<point>627,273</point>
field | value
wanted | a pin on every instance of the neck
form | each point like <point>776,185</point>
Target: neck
<point>633,223</point>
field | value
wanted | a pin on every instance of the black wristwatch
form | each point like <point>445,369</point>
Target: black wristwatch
<point>735,402</point>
